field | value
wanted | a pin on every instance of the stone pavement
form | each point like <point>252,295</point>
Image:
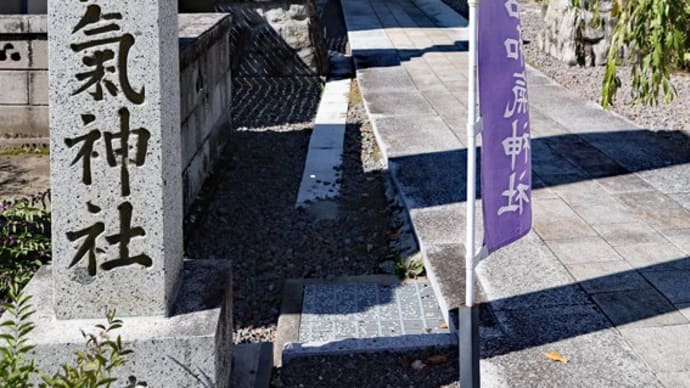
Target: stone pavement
<point>603,277</point>
<point>359,314</point>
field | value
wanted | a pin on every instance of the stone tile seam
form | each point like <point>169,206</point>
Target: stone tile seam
<point>564,124</point>
<point>586,102</point>
<point>590,294</point>
<point>431,68</point>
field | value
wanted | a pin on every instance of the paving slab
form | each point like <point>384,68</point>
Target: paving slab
<point>654,256</point>
<point>661,347</point>
<point>583,250</point>
<point>385,79</point>
<point>598,355</point>
<point>554,219</point>
<point>679,237</point>
<point>528,276</point>
<point>629,233</point>
<point>398,103</point>
<point>608,276</point>
<point>359,314</point>
<point>638,308</point>
<point>412,135</point>
<point>445,224</point>
<point>683,199</point>
<point>673,284</point>
<point>665,219</point>
<point>684,309</point>
<point>609,204</point>
<point>622,184</point>
<point>671,179</point>
<point>431,179</point>
<point>677,380</point>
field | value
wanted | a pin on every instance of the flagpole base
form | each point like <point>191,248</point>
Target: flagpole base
<point>468,339</point>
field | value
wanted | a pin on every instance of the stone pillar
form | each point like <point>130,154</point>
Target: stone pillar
<point>114,91</point>
<point>115,156</point>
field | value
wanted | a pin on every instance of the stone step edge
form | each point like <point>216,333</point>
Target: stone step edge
<point>398,344</point>
<point>286,346</point>
<point>321,175</point>
<point>252,365</point>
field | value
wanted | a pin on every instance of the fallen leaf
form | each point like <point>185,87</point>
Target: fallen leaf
<point>443,325</point>
<point>418,365</point>
<point>555,356</point>
<point>437,359</point>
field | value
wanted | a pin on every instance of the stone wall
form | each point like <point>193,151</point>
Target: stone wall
<point>460,6</point>
<point>572,37</point>
<point>273,38</point>
<point>206,88</point>
<point>23,76</point>
<point>205,84</point>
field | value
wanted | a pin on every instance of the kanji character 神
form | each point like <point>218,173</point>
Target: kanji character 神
<point>117,148</point>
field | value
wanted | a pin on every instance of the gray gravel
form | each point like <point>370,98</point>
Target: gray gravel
<point>586,81</point>
<point>427,368</point>
<point>248,214</point>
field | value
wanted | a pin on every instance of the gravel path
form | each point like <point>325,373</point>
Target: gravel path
<point>250,217</point>
<point>587,81</point>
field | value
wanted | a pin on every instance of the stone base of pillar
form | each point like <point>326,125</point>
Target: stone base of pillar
<point>191,348</point>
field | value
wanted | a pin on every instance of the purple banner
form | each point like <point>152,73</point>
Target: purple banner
<point>506,165</point>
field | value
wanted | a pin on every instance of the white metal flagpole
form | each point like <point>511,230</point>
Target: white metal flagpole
<point>468,330</point>
<point>471,153</point>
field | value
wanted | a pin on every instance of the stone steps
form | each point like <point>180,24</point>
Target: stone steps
<point>358,314</point>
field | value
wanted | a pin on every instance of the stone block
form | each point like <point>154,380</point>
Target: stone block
<point>527,275</point>
<point>599,356</point>
<point>676,379</point>
<point>383,79</point>
<point>554,219</point>
<point>13,22</point>
<point>669,179</point>
<point>673,284</point>
<point>629,233</point>
<point>665,219</point>
<point>443,224</point>
<point>648,200</point>
<point>14,54</point>
<point>583,250</point>
<point>39,54</point>
<point>679,237</point>
<point>607,276</point>
<point>638,308</point>
<point>654,256</point>
<point>407,136</point>
<point>38,88</point>
<point>628,183</point>
<point>191,347</point>
<point>15,87</point>
<point>24,121</point>
<point>659,346</point>
<point>117,218</point>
